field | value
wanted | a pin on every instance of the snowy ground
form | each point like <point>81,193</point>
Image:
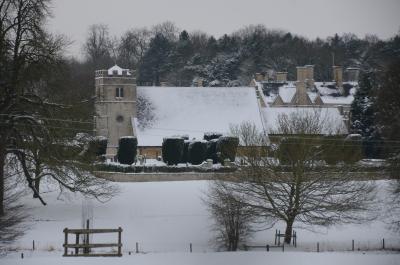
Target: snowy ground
<point>164,217</point>
<point>216,258</point>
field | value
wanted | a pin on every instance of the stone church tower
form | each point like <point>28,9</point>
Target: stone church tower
<point>115,105</point>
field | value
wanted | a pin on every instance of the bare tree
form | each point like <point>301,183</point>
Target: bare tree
<point>12,222</point>
<point>168,29</point>
<point>98,47</point>
<point>132,46</point>
<point>393,213</point>
<point>287,181</point>
<point>232,218</point>
<point>30,121</point>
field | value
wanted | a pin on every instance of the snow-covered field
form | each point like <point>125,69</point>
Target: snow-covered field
<point>165,217</point>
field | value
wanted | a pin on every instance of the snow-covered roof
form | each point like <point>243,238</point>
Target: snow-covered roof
<point>327,91</point>
<point>195,110</point>
<point>329,118</point>
<point>338,100</point>
<point>287,92</point>
<point>118,69</point>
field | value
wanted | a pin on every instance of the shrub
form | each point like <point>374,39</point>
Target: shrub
<point>172,150</point>
<point>127,148</point>
<point>212,150</point>
<point>352,149</point>
<point>211,135</point>
<point>197,152</point>
<point>98,145</point>
<point>331,150</point>
<point>226,147</point>
<point>185,152</point>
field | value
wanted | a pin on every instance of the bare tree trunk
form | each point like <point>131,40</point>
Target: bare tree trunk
<point>2,158</point>
<point>37,187</point>
<point>289,229</point>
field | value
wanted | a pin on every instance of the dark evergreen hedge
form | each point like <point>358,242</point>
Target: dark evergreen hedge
<point>98,146</point>
<point>227,147</point>
<point>332,149</point>
<point>127,148</point>
<point>159,169</point>
<point>185,152</point>
<point>352,149</point>
<point>197,152</point>
<point>211,135</point>
<point>172,150</point>
<point>212,150</point>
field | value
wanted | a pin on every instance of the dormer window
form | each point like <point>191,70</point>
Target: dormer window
<point>119,92</point>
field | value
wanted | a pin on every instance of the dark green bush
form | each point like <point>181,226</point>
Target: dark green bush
<point>212,150</point>
<point>332,149</point>
<point>211,135</point>
<point>172,150</point>
<point>185,153</point>
<point>352,149</point>
<point>127,148</point>
<point>197,152</point>
<point>227,147</point>
<point>98,145</point>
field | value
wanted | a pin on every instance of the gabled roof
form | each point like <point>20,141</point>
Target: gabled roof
<point>193,111</point>
<point>324,90</point>
<point>118,69</point>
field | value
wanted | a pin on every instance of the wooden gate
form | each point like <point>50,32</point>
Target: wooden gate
<point>86,245</point>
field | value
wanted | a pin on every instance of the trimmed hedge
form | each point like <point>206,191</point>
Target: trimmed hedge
<point>172,150</point>
<point>98,145</point>
<point>332,149</point>
<point>212,150</point>
<point>197,152</point>
<point>160,169</point>
<point>127,148</point>
<point>211,135</point>
<point>185,152</point>
<point>352,149</point>
<point>227,147</point>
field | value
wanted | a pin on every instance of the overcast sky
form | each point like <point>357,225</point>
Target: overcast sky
<point>310,18</point>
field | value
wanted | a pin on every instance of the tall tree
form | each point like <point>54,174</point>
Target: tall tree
<point>132,47</point>
<point>363,114</point>
<point>29,119</point>
<point>156,61</point>
<point>98,48</point>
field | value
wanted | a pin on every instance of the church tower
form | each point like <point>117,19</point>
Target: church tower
<point>115,105</point>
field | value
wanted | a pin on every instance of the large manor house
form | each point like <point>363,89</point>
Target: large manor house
<point>151,113</point>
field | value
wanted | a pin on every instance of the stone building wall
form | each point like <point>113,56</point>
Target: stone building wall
<point>113,117</point>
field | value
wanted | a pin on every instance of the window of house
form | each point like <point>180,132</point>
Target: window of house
<point>119,92</point>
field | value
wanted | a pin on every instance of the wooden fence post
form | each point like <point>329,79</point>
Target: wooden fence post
<point>86,250</point>
<point>65,241</point>
<point>76,242</point>
<point>137,247</point>
<point>352,245</point>
<point>383,243</point>
<point>119,241</point>
<point>190,246</point>
<point>317,246</point>
<point>267,248</point>
<point>279,237</point>
<point>33,244</point>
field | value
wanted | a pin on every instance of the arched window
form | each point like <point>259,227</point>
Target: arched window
<point>119,92</point>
